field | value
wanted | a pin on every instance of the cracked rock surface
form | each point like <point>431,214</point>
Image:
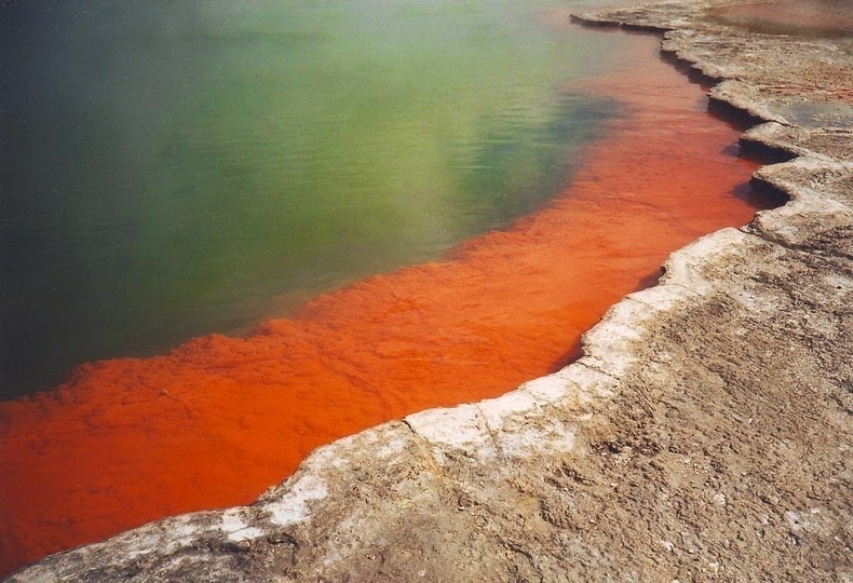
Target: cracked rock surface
<point>705,435</point>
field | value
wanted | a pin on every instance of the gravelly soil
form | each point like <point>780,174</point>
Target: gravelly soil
<point>705,435</point>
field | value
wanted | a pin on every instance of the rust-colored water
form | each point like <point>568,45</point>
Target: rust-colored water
<point>218,420</point>
<point>800,17</point>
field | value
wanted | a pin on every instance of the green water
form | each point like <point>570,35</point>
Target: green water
<point>169,169</point>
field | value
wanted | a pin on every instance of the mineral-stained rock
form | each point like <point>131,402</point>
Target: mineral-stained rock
<point>704,435</point>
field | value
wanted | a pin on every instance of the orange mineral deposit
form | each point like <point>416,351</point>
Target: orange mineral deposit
<point>218,420</point>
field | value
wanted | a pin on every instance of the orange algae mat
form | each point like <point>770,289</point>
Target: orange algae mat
<point>218,420</point>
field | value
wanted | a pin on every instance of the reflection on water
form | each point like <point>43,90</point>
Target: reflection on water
<point>169,169</point>
<point>216,421</point>
<point>827,18</point>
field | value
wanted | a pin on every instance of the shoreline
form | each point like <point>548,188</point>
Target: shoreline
<point>217,421</point>
<point>616,451</point>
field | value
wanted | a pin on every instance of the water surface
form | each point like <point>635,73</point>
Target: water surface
<point>218,420</point>
<point>810,18</point>
<point>169,169</point>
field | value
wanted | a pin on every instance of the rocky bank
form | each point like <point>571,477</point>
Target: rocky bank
<point>705,434</point>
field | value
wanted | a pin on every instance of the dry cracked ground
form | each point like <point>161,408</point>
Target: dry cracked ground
<point>705,435</point>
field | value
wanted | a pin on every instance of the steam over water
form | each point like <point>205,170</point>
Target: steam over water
<point>169,169</point>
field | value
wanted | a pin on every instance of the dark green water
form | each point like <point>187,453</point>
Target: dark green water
<point>173,168</point>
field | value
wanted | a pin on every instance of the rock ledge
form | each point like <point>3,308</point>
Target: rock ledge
<point>705,434</point>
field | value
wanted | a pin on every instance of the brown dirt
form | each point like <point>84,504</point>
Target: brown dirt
<point>704,435</point>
